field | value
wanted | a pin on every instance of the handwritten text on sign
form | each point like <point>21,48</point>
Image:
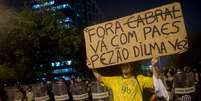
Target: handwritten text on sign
<point>156,32</point>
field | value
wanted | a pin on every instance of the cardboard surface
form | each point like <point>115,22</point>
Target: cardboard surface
<point>156,32</point>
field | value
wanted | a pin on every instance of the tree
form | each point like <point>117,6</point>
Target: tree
<point>28,38</point>
<point>6,72</point>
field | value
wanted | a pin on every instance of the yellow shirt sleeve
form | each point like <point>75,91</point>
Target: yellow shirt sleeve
<point>145,81</point>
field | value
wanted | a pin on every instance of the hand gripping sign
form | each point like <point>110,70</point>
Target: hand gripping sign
<point>156,32</point>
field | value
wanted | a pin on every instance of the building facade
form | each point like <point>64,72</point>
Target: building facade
<point>75,12</point>
<point>79,13</point>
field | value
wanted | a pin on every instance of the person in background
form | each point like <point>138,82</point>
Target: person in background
<point>49,91</point>
<point>197,84</point>
<point>196,74</point>
<point>179,78</point>
<point>3,95</point>
<point>128,87</point>
<point>78,79</point>
<point>190,77</point>
<point>22,90</point>
<point>168,81</point>
<point>29,94</point>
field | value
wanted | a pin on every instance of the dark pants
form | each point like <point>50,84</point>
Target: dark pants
<point>161,99</point>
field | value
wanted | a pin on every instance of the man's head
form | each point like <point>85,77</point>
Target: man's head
<point>187,69</point>
<point>126,70</point>
<point>179,70</point>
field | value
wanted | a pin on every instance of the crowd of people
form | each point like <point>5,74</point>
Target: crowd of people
<point>77,89</point>
<point>182,84</point>
<point>182,78</point>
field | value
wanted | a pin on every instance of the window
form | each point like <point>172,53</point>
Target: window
<point>67,19</point>
<point>64,77</point>
<point>62,63</point>
<point>49,3</point>
<point>62,6</point>
<point>65,70</point>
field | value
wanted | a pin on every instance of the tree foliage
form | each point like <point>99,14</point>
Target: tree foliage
<point>6,72</point>
<point>28,38</point>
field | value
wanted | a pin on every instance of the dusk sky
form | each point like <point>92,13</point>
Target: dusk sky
<point>113,9</point>
<point>118,8</point>
<point>191,10</point>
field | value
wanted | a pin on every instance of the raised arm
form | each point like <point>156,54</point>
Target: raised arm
<point>97,75</point>
<point>154,68</point>
<point>95,72</point>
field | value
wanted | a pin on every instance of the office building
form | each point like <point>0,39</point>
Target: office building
<point>77,13</point>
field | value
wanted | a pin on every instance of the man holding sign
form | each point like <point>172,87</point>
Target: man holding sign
<point>156,32</point>
<point>128,87</point>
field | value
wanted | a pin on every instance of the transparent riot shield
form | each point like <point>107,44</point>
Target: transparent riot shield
<point>60,91</point>
<point>184,87</point>
<point>79,92</point>
<point>100,93</point>
<point>13,94</point>
<point>40,92</point>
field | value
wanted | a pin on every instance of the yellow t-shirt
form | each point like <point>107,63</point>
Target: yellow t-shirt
<point>127,89</point>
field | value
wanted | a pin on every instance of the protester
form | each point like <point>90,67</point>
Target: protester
<point>168,80</point>
<point>128,87</point>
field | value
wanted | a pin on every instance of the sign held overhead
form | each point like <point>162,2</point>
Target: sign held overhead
<point>156,32</point>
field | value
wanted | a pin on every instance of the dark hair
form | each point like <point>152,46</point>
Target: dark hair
<point>136,68</point>
<point>171,71</point>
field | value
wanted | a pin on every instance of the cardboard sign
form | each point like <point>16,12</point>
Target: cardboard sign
<point>155,32</point>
